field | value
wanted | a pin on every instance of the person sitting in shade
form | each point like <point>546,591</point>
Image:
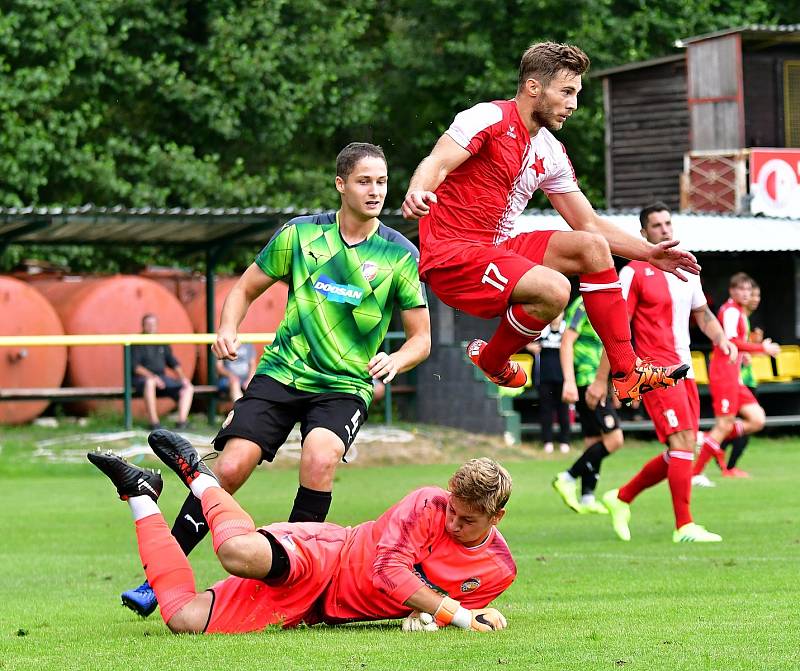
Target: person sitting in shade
<point>150,381</point>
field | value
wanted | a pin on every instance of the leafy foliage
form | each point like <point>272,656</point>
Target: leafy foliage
<point>234,103</point>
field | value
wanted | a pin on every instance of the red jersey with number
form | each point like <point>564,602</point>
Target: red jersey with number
<point>479,202</point>
<point>659,307</point>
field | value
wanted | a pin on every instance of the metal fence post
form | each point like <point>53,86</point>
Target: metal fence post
<point>128,391</point>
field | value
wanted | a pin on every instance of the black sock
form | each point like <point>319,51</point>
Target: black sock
<point>310,505</point>
<point>578,469</point>
<point>190,526</point>
<point>737,447</point>
<point>598,452</point>
<point>594,457</point>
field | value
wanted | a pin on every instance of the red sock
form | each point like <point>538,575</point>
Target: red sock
<point>710,449</point>
<point>736,431</point>
<point>653,472</point>
<point>166,567</point>
<point>225,517</point>
<point>608,314</point>
<point>517,328</point>
<point>679,475</point>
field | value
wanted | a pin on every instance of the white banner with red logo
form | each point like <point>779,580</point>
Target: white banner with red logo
<point>775,182</point>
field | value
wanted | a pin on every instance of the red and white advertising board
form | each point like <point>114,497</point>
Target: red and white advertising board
<point>775,182</point>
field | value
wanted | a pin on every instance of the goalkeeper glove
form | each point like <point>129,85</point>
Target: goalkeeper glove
<point>417,621</point>
<point>452,612</point>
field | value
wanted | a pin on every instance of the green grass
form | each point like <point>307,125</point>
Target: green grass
<point>582,599</point>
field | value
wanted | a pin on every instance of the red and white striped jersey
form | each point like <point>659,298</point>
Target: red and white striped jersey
<point>659,307</point>
<point>479,201</point>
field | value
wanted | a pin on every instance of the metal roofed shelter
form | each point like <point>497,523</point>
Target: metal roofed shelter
<point>214,231</point>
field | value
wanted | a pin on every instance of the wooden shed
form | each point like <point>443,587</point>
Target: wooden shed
<point>691,118</point>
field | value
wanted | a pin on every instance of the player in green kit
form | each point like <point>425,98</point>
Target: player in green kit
<point>346,272</point>
<point>586,384</point>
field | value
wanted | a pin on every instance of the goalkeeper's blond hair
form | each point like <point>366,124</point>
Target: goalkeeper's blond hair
<point>482,483</point>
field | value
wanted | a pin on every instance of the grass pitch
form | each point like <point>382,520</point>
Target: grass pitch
<point>582,599</point>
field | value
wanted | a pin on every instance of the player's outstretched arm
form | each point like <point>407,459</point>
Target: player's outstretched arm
<point>415,349</point>
<point>449,612</point>
<point>713,330</point>
<point>445,157</point>
<point>580,215</point>
<point>250,286</point>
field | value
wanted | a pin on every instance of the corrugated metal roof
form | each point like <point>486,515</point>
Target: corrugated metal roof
<point>188,227</point>
<point>790,31</point>
<point>207,227</point>
<point>698,232</point>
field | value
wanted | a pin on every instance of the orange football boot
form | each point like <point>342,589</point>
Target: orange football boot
<point>511,375</point>
<point>644,377</point>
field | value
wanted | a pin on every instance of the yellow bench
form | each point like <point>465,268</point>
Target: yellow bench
<point>700,368</point>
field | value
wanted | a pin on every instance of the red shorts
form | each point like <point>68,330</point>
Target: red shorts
<point>673,409</point>
<point>728,394</point>
<point>479,280</point>
<point>242,605</point>
<point>728,399</point>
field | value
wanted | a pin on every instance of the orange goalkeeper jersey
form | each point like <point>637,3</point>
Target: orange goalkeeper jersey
<point>385,561</point>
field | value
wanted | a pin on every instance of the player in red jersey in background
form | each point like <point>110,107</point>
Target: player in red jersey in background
<point>468,193</point>
<point>430,547</point>
<point>729,396</point>
<point>659,307</point>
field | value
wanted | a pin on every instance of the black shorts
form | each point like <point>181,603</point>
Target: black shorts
<point>269,410</point>
<point>603,419</point>
<point>172,387</point>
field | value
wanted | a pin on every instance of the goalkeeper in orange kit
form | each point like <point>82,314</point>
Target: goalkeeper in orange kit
<point>430,547</point>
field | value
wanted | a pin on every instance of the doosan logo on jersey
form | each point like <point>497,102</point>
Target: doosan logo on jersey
<point>338,293</point>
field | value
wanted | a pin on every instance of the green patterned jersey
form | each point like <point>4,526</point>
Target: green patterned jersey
<point>340,302</point>
<point>588,348</point>
<point>748,377</point>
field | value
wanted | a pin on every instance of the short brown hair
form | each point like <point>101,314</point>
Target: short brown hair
<point>483,484</point>
<point>739,279</point>
<point>644,214</point>
<point>544,60</point>
<point>349,157</point>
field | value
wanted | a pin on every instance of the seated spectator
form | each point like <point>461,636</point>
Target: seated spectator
<point>233,375</point>
<point>149,364</point>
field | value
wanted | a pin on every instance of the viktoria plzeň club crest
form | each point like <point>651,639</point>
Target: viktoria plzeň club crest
<point>369,270</point>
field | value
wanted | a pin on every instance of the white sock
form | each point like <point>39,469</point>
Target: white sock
<point>568,477</point>
<point>201,483</point>
<point>142,506</point>
<point>586,499</point>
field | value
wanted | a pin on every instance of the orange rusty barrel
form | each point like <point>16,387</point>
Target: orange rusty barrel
<point>264,315</point>
<point>115,304</point>
<point>24,311</point>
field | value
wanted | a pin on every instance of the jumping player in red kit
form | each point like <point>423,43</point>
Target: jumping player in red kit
<point>468,193</point>
<point>430,547</point>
